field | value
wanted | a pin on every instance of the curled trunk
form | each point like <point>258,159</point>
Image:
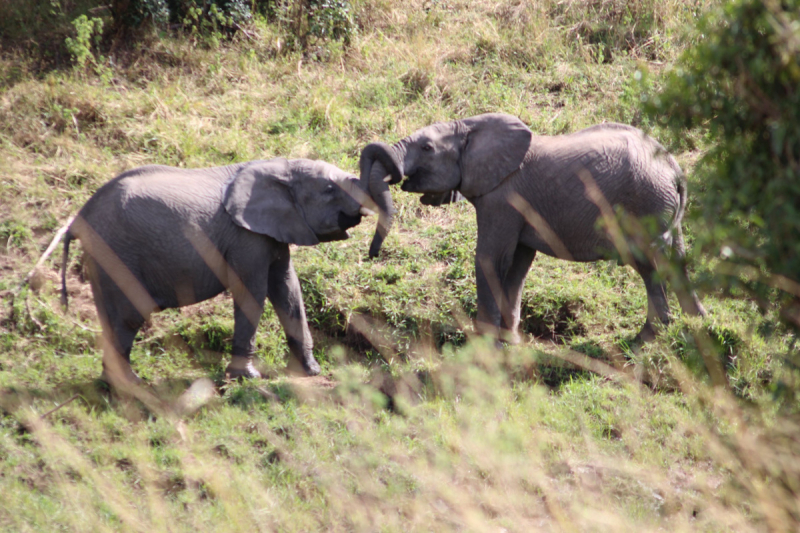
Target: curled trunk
<point>379,161</point>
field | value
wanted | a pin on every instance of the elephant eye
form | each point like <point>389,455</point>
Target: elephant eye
<point>427,147</point>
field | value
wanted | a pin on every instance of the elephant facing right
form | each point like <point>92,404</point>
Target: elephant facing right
<point>543,194</point>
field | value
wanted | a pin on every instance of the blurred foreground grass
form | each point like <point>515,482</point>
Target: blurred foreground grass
<point>475,444</point>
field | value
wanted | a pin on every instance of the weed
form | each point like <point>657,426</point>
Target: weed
<point>13,233</point>
<point>89,32</point>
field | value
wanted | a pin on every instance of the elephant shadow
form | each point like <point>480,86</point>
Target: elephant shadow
<point>553,371</point>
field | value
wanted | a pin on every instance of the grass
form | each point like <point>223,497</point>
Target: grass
<point>415,424</point>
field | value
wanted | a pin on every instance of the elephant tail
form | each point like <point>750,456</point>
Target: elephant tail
<point>673,237</point>
<point>64,258</point>
<point>682,195</point>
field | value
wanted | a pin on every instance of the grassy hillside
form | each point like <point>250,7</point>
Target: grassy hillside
<point>414,424</point>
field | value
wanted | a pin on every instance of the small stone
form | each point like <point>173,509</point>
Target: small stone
<point>37,280</point>
<point>196,396</point>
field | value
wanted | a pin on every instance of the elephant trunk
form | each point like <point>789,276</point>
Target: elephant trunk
<point>379,191</point>
<point>378,160</point>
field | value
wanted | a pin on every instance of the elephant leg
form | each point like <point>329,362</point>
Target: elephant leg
<point>512,285</point>
<point>287,300</point>
<point>494,258</point>
<point>117,353</point>
<point>248,306</point>
<point>690,302</point>
<point>244,344</point>
<point>120,321</point>
<point>657,304</point>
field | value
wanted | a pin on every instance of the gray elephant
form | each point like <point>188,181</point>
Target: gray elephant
<point>541,193</point>
<point>159,237</point>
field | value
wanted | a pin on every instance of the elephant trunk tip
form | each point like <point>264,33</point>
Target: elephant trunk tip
<point>375,247</point>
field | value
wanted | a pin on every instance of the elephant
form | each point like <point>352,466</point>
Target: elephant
<point>160,237</point>
<point>543,194</point>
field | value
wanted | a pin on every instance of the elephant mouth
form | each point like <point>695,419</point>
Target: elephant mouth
<point>345,222</point>
<point>420,181</point>
<point>431,199</point>
<point>335,236</point>
<point>409,185</point>
<point>438,198</point>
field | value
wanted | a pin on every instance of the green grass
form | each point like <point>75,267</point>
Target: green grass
<point>415,424</point>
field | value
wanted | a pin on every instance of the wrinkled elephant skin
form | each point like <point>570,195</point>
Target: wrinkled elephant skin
<point>159,237</point>
<point>547,194</point>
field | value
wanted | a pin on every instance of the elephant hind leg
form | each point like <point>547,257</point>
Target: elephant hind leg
<point>120,322</point>
<point>657,304</point>
<point>117,344</point>
<point>687,297</point>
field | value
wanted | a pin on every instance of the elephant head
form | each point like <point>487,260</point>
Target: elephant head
<point>467,157</point>
<point>300,201</point>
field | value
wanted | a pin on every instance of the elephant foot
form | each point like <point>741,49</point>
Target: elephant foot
<point>297,367</point>
<point>241,366</point>
<point>311,366</point>
<point>120,375</point>
<point>510,337</point>
<point>647,334</point>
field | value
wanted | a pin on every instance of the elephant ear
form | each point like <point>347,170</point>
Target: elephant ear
<point>259,198</point>
<point>495,146</point>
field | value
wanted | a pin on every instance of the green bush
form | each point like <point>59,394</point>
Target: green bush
<point>739,86</point>
<point>310,21</point>
<point>59,32</point>
<point>88,30</point>
<point>203,16</point>
<point>40,27</point>
<point>306,21</point>
<point>135,13</point>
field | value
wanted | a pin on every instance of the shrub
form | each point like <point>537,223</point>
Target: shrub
<point>40,27</point>
<point>306,21</point>
<point>310,21</point>
<point>739,86</point>
<point>88,30</point>
<point>135,13</point>
<point>201,16</point>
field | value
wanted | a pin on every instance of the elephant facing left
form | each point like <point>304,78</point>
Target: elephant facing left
<point>159,237</point>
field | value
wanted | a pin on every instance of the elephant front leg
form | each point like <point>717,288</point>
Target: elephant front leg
<point>493,262</point>
<point>513,283</point>
<point>287,299</point>
<point>489,291</point>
